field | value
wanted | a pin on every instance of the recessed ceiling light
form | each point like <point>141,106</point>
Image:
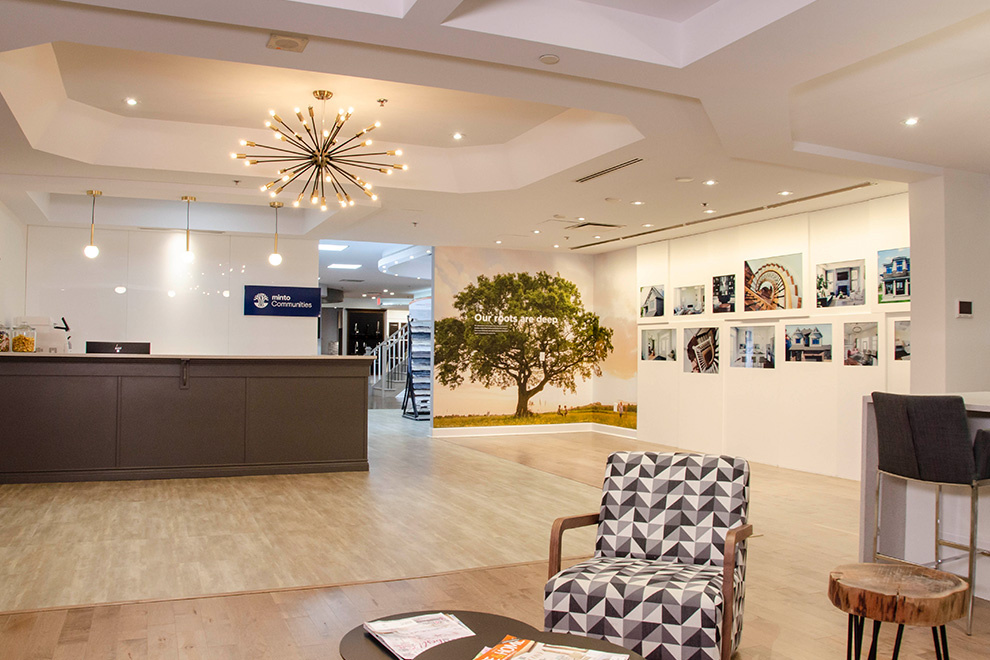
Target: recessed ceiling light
<point>171,294</point>
<point>549,58</point>
<point>911,121</point>
<point>555,245</point>
<point>612,199</point>
<point>683,179</point>
<point>648,225</point>
<point>581,219</point>
<point>328,247</point>
<point>637,203</point>
<point>558,216</point>
<point>536,231</point>
<point>710,182</point>
<point>120,289</point>
<point>392,294</point>
<point>384,290</point>
<point>130,101</point>
<point>345,266</point>
<point>597,236</point>
<point>709,211</point>
<point>364,295</point>
<point>458,136</point>
<point>785,193</point>
<point>498,242</point>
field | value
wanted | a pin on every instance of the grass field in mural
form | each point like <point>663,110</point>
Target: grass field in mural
<point>593,413</point>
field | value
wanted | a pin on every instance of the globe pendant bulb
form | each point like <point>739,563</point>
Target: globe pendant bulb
<point>188,256</point>
<point>274,258</point>
<point>91,251</point>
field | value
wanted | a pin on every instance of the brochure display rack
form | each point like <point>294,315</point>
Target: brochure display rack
<point>419,374</point>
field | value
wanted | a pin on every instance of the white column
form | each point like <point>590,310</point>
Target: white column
<point>950,242</point>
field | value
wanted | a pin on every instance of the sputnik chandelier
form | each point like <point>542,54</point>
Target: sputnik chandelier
<point>318,158</point>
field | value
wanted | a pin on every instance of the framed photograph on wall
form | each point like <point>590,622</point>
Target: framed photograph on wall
<point>701,350</point>
<point>659,344</point>
<point>651,301</point>
<point>808,343</point>
<point>902,340</point>
<point>773,283</point>
<point>861,345</point>
<point>841,284</point>
<point>752,346</point>
<point>724,294</point>
<point>689,300</point>
<point>894,275</point>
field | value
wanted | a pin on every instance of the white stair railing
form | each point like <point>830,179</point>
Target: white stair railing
<point>390,359</point>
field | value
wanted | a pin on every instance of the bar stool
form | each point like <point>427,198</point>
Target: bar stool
<point>926,439</point>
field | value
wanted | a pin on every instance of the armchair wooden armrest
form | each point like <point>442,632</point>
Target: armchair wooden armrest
<point>734,537</point>
<point>560,525</point>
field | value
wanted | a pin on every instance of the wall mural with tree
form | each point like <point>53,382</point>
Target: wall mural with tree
<point>520,348</point>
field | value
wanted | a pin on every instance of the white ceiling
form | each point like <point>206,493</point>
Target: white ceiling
<point>791,95</point>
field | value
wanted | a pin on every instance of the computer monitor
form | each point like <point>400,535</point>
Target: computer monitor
<point>135,347</point>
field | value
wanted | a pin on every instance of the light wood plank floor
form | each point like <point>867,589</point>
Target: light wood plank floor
<point>806,524</point>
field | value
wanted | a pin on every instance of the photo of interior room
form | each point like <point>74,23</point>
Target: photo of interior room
<point>321,312</point>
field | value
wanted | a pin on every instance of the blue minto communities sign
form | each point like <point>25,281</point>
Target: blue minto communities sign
<point>281,300</point>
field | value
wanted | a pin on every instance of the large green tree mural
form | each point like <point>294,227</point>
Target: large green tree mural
<point>548,339</point>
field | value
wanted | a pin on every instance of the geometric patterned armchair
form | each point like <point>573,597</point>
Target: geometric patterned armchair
<point>668,577</point>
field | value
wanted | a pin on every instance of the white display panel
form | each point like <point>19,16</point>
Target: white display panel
<point>182,308</point>
<point>13,244</point>
<point>800,415</point>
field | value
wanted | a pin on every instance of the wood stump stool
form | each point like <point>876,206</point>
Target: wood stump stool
<point>896,593</point>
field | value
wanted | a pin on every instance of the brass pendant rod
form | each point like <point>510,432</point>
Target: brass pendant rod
<point>92,223</point>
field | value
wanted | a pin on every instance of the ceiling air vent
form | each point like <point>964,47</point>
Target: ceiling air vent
<point>595,225</point>
<point>350,280</point>
<point>287,42</point>
<point>608,170</point>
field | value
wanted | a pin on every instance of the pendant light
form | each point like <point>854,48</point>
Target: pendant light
<point>91,250</point>
<point>188,254</point>
<point>275,258</point>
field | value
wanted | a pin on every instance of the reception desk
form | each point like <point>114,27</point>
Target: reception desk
<point>907,515</point>
<point>83,417</point>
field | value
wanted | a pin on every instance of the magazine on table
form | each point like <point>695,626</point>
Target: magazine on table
<point>409,637</point>
<point>526,649</point>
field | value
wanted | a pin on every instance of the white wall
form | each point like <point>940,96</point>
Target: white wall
<point>198,320</point>
<point>13,253</point>
<point>804,416</point>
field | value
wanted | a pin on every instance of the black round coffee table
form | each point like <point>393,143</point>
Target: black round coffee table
<point>489,629</point>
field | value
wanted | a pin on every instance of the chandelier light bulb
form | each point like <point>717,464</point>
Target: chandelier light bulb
<point>91,251</point>
<point>188,256</point>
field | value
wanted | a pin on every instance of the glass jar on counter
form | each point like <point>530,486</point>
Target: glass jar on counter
<point>23,339</point>
<point>4,339</point>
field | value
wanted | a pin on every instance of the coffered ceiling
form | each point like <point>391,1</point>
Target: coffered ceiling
<point>762,97</point>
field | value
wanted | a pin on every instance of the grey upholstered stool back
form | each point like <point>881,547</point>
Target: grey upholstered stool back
<point>924,437</point>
